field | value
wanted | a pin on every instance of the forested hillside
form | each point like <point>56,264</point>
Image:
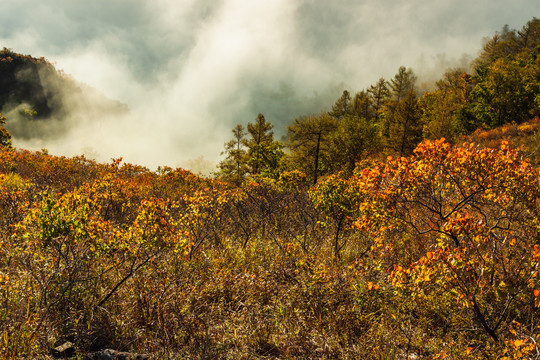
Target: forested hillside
<point>392,116</point>
<point>41,102</point>
<point>364,236</point>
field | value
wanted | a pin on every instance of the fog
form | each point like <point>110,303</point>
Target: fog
<point>189,70</point>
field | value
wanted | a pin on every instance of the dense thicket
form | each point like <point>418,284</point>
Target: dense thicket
<point>432,255</point>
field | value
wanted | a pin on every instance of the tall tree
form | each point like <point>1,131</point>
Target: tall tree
<point>400,86</point>
<point>235,166</point>
<point>264,152</point>
<point>529,36</point>
<point>308,142</point>
<point>441,107</point>
<point>362,106</point>
<point>507,90</point>
<point>405,129</point>
<point>353,140</point>
<point>379,94</point>
<point>343,106</point>
<point>402,83</point>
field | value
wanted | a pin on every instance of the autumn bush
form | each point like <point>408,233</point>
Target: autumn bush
<point>429,256</point>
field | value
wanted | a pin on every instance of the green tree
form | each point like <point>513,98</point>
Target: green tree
<point>507,90</point>
<point>235,166</point>
<point>507,77</point>
<point>529,36</point>
<point>441,107</point>
<point>379,94</point>
<point>362,106</point>
<point>402,83</point>
<point>343,106</point>
<point>405,130</point>
<point>509,43</point>
<point>264,152</point>
<point>351,142</point>
<point>309,143</point>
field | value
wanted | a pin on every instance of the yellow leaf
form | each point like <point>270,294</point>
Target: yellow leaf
<point>518,343</point>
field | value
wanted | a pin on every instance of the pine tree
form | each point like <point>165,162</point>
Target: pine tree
<point>379,94</point>
<point>441,107</point>
<point>362,106</point>
<point>402,83</point>
<point>309,143</point>
<point>405,129</point>
<point>235,166</point>
<point>343,106</point>
<point>264,153</point>
<point>355,138</point>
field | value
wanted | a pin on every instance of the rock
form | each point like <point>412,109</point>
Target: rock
<point>65,350</point>
<point>109,354</point>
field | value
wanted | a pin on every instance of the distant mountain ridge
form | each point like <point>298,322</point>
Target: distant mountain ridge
<point>34,95</point>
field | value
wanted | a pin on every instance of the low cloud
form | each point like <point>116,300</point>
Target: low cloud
<point>191,69</point>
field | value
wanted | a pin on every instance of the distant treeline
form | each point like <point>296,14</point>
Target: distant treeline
<point>391,117</point>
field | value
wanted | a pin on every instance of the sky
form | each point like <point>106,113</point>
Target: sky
<point>189,70</point>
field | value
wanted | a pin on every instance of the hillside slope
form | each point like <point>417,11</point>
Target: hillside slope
<point>42,102</point>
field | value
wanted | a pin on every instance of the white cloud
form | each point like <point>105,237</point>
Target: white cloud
<point>191,69</point>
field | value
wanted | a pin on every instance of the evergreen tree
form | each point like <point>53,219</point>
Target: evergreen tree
<point>309,143</point>
<point>351,142</point>
<point>264,153</point>
<point>343,106</point>
<point>235,166</point>
<point>379,94</point>
<point>405,129</point>
<point>402,83</point>
<point>362,106</point>
<point>400,87</point>
<point>441,108</point>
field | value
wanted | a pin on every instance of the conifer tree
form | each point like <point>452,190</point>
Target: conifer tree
<point>405,131</point>
<point>343,106</point>
<point>379,94</point>
<point>441,108</point>
<point>309,143</point>
<point>354,139</point>
<point>263,151</point>
<point>234,167</point>
<point>362,106</point>
<point>402,83</point>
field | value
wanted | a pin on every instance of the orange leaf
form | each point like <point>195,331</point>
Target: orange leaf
<point>372,286</point>
<point>518,343</point>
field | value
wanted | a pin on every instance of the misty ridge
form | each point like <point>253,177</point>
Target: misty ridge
<point>45,106</point>
<point>191,70</point>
